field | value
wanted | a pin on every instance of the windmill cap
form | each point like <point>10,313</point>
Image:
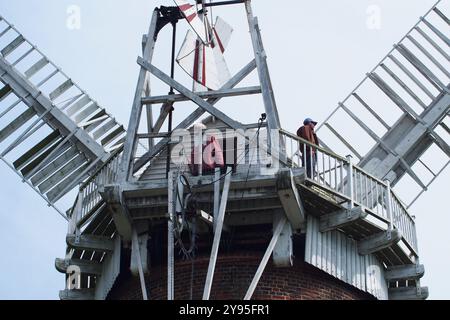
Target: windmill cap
<point>308,121</point>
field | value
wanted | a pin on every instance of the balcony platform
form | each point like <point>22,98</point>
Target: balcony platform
<point>322,204</point>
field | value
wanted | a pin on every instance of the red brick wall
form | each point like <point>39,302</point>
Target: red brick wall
<point>232,279</point>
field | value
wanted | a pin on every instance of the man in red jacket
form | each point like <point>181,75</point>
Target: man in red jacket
<point>309,154</point>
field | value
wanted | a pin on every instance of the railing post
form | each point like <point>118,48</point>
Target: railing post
<point>388,203</point>
<point>216,197</point>
<point>73,218</point>
<point>76,216</point>
<point>350,181</point>
<point>198,148</point>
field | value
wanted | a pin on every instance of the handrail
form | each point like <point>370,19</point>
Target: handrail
<point>88,191</point>
<point>326,151</point>
<point>295,137</point>
<point>94,175</point>
<point>402,204</point>
<point>352,183</point>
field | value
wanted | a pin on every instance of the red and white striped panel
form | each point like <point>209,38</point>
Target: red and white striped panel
<point>221,34</point>
<point>190,14</point>
<point>204,63</point>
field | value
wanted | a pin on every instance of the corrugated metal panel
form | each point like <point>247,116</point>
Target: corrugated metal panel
<point>337,255</point>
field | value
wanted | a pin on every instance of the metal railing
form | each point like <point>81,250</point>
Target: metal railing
<point>347,183</point>
<point>89,200</point>
<point>337,175</point>
<point>404,221</point>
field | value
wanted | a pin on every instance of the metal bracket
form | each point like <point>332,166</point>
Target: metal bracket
<point>166,15</point>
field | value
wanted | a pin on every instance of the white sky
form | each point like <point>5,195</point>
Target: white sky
<point>317,52</point>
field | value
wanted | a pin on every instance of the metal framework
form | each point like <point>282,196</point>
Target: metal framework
<point>130,163</point>
<point>128,166</point>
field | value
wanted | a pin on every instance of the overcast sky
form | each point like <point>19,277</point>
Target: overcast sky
<point>317,52</point>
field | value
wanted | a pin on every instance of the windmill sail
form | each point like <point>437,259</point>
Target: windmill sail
<point>52,133</point>
<point>206,63</point>
<point>400,110</point>
<point>190,14</point>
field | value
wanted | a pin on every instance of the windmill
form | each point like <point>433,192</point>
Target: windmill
<point>135,206</point>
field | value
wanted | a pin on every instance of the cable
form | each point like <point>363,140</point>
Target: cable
<point>260,122</point>
<point>185,182</point>
<point>190,52</point>
<point>187,253</point>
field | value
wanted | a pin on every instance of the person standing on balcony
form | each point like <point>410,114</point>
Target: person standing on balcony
<point>309,153</point>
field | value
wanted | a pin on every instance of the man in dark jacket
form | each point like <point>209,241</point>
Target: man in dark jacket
<point>309,154</point>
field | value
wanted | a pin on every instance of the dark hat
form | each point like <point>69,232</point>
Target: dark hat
<point>308,121</point>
